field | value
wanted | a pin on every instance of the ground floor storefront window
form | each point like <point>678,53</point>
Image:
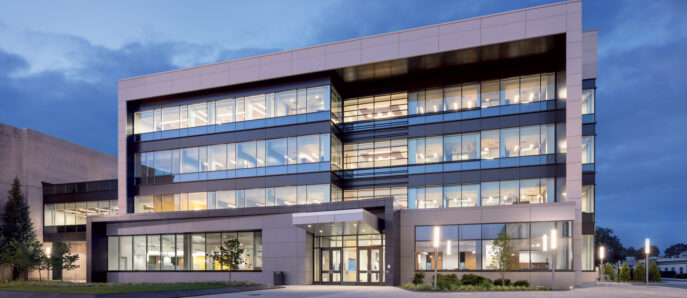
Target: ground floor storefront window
<point>349,259</point>
<point>181,252</point>
<point>471,247</point>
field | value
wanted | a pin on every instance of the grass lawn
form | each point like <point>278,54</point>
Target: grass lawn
<point>113,288</point>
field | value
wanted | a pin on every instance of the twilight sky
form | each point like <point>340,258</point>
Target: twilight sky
<point>60,62</point>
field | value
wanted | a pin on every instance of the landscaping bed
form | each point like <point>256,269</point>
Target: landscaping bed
<point>469,283</point>
<point>115,288</point>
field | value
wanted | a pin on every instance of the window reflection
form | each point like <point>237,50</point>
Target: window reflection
<point>587,101</point>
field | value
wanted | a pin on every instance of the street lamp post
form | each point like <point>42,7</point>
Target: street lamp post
<point>436,255</point>
<point>554,235</point>
<point>647,251</point>
<point>602,254</point>
<point>47,253</point>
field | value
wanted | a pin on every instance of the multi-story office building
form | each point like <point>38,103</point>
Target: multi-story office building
<point>334,163</point>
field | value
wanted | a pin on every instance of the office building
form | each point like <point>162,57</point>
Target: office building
<point>334,163</point>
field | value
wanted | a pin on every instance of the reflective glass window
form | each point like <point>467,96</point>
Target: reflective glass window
<point>198,115</point>
<point>189,160</point>
<point>308,149</point>
<point>434,149</point>
<point>470,195</point>
<point>490,94</point>
<point>587,101</point>
<point>246,155</point>
<point>469,96</point>
<point>529,191</point>
<point>587,149</point>
<point>198,201</point>
<point>255,197</point>
<point>452,98</point>
<point>470,146</point>
<point>144,122</point>
<point>529,89</point>
<point>225,111</point>
<point>509,142</point>
<point>276,152</point>
<point>316,99</point>
<point>490,144</point>
<point>509,192</point>
<point>530,140</point>
<point>588,198</point>
<point>452,148</point>
<point>168,253</point>
<point>285,104</point>
<point>225,199</point>
<point>139,252</point>
<point>255,107</point>
<point>153,254</point>
<point>510,91</point>
<point>170,118</point>
<point>490,193</point>
<point>217,158</point>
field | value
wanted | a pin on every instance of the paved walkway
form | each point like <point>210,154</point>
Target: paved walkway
<point>607,291</point>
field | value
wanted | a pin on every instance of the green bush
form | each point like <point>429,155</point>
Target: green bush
<point>447,281</point>
<point>521,283</point>
<point>654,273</point>
<point>471,279</point>
<point>485,284</point>
<point>424,287</point>
<point>500,282</point>
<point>419,278</point>
<point>625,273</point>
<point>608,270</point>
<point>638,274</point>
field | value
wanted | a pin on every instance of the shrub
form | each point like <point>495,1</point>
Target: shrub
<point>624,273</point>
<point>502,282</point>
<point>424,287</point>
<point>471,279</point>
<point>419,278</point>
<point>654,273</point>
<point>485,284</point>
<point>521,283</point>
<point>446,281</point>
<point>608,270</point>
<point>638,274</point>
<point>681,275</point>
<point>668,274</point>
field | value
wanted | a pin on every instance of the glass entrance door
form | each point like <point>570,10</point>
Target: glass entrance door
<point>369,271</point>
<point>331,265</point>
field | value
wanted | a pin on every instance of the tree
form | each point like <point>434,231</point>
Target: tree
<point>503,251</point>
<point>614,249</point>
<point>654,273</point>
<point>654,251</point>
<point>20,248</point>
<point>608,270</point>
<point>229,254</point>
<point>624,273</point>
<point>675,249</point>
<point>43,265</point>
<point>638,274</point>
<point>62,258</point>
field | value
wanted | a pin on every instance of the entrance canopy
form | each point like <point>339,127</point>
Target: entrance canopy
<point>340,222</point>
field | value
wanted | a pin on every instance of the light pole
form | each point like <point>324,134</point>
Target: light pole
<point>47,253</point>
<point>436,254</point>
<point>554,235</point>
<point>602,254</point>
<point>647,251</point>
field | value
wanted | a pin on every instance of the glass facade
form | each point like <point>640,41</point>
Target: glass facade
<point>588,198</point>
<point>349,259</point>
<point>377,107</point>
<point>509,91</point>
<point>71,217</point>
<point>254,107</point>
<point>508,192</point>
<point>242,198</point>
<point>488,144</point>
<point>375,154</point>
<point>588,252</point>
<point>223,159</point>
<point>471,247</point>
<point>181,252</point>
<point>588,103</point>
<point>587,149</point>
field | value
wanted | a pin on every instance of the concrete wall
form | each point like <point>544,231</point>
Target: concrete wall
<point>35,157</point>
<point>284,248</point>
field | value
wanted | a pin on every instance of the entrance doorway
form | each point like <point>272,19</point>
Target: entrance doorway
<point>369,271</point>
<point>354,259</point>
<point>331,265</point>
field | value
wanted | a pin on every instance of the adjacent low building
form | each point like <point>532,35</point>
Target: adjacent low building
<point>335,163</point>
<point>39,161</point>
